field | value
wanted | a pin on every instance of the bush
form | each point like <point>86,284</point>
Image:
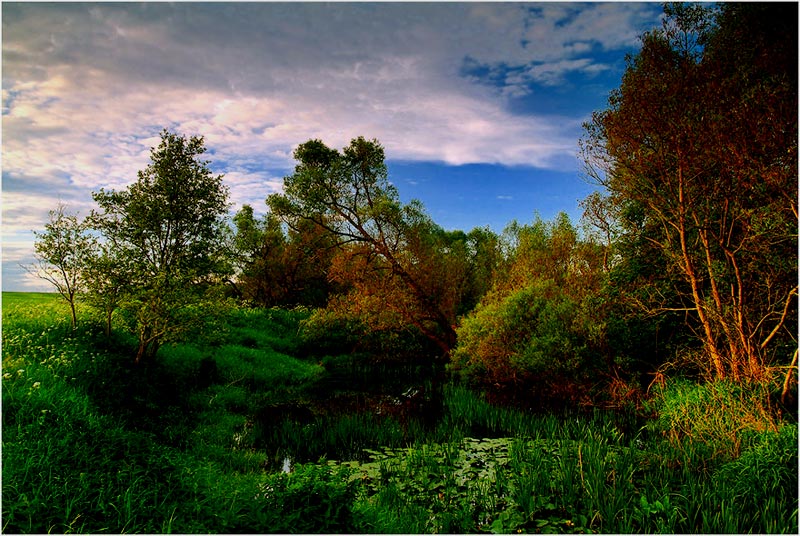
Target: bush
<point>727,417</point>
<point>533,331</point>
<point>763,473</point>
<point>328,332</point>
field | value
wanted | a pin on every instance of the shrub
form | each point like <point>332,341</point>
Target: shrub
<point>311,499</point>
<point>533,331</point>
<point>763,476</point>
<point>328,332</point>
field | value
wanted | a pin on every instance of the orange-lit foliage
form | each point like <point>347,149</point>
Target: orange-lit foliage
<point>700,141</point>
<point>536,324</point>
<point>402,269</point>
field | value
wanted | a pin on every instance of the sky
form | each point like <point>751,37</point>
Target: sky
<point>479,106</point>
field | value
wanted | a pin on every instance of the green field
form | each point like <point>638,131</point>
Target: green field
<point>247,431</point>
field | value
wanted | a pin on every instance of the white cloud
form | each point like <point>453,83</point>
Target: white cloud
<point>88,87</point>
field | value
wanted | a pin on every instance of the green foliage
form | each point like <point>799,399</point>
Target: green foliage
<point>312,499</point>
<point>332,332</point>
<point>542,326</point>
<point>531,331</point>
<point>166,230</point>
<point>92,443</point>
<point>67,467</point>
<point>63,252</point>
<point>725,417</point>
<point>762,482</point>
<point>328,332</point>
<point>278,269</point>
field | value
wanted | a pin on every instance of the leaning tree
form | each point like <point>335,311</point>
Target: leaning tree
<point>389,252</point>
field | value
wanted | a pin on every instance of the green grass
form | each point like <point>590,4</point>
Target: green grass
<point>194,442</point>
<point>92,443</point>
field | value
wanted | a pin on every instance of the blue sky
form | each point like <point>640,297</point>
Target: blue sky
<point>479,106</point>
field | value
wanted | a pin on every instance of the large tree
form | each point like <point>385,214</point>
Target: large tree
<point>389,252</point>
<point>698,149</point>
<point>167,227</point>
<point>538,325</point>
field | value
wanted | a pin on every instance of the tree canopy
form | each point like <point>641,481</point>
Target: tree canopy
<point>387,250</point>
<point>167,230</point>
<point>63,250</point>
<point>698,149</point>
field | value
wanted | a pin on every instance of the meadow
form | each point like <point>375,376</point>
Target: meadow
<point>246,430</point>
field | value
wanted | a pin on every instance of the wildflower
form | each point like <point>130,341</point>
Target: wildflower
<point>7,376</point>
<point>36,385</point>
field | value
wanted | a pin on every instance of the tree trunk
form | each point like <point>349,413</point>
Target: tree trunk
<point>691,275</point>
<point>109,313</point>
<point>140,352</point>
<point>788,380</point>
<point>148,345</point>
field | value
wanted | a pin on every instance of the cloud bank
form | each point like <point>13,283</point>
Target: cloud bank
<point>88,87</point>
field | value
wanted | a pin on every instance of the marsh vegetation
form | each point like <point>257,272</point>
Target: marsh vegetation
<point>198,441</point>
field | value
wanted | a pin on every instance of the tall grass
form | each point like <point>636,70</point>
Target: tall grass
<point>92,443</point>
<point>194,443</point>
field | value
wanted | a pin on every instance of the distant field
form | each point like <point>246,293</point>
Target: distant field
<point>29,298</point>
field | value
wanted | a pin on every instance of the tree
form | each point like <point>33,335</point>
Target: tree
<point>536,327</point>
<point>106,278</point>
<point>276,269</point>
<point>389,249</point>
<point>62,252</point>
<point>701,141</point>
<point>167,228</point>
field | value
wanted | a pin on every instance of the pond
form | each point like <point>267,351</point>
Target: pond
<point>354,411</point>
<point>354,406</point>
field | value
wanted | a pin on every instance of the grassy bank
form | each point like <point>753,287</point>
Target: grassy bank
<point>195,443</point>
